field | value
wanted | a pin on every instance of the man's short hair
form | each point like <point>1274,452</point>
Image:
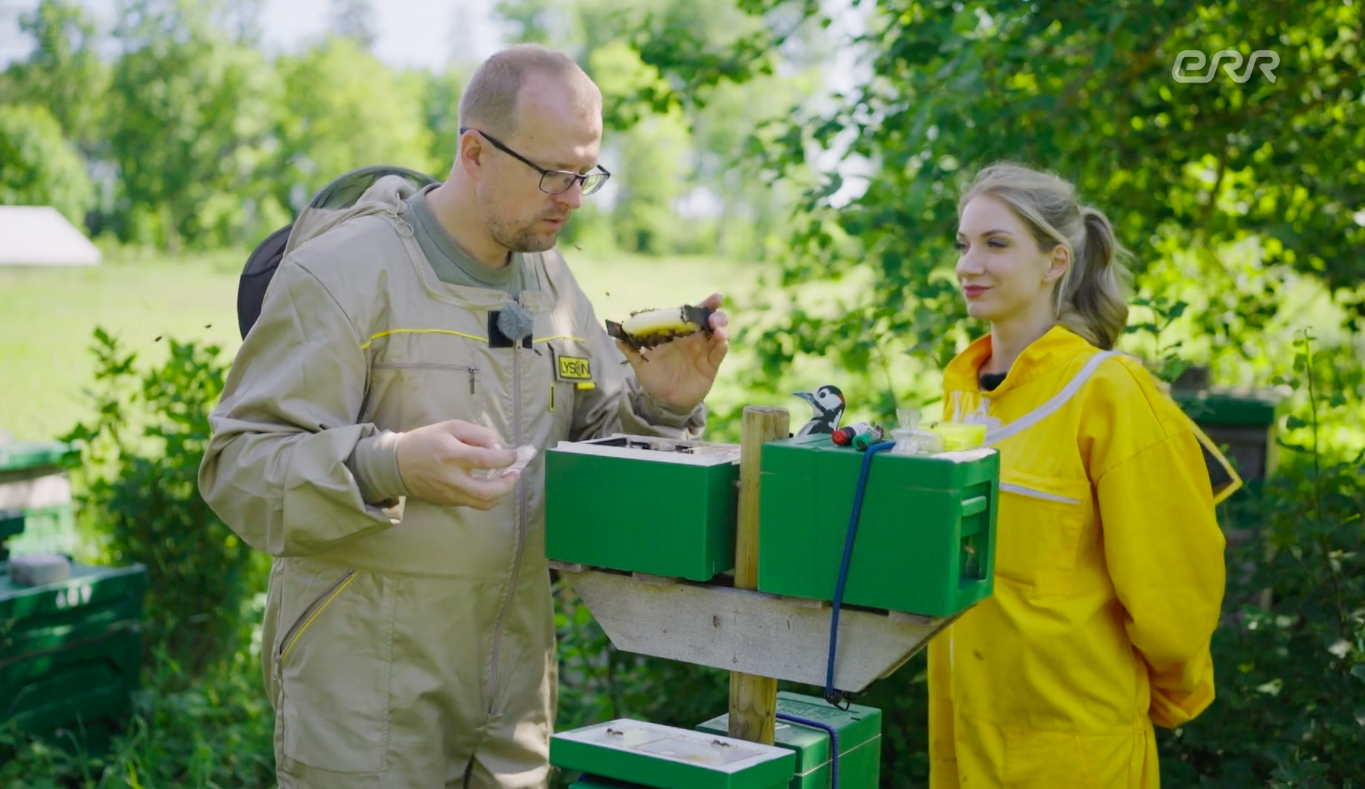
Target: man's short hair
<point>489,101</point>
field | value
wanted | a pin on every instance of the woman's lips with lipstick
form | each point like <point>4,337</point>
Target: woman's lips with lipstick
<point>973,291</point>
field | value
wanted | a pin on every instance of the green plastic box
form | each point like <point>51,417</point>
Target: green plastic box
<point>665,757</point>
<point>926,536</point>
<point>70,651</point>
<point>643,505</point>
<point>860,741</point>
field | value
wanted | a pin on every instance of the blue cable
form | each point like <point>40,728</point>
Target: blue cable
<point>831,695</point>
<point>833,743</point>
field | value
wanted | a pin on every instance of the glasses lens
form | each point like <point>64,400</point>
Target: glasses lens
<point>555,182</point>
<point>593,182</point>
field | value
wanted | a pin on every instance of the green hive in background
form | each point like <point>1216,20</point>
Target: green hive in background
<point>926,536</point>
<point>643,505</point>
<point>1246,422</point>
<point>42,455</point>
<point>35,491</point>
<point>70,651</point>
<point>651,756</point>
<point>860,741</point>
<point>11,524</point>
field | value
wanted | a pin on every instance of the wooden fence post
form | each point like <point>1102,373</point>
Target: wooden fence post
<point>753,699</point>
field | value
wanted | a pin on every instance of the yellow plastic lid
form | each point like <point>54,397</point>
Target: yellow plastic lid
<point>960,436</point>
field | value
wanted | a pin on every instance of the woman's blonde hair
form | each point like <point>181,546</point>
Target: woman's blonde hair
<point>1091,297</point>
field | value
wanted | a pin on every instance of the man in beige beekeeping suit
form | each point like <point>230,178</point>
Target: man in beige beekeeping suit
<point>405,345</point>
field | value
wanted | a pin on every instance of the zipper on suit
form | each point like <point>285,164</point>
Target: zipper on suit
<point>521,526</point>
<point>310,613</point>
<point>471,369</point>
<point>1038,494</point>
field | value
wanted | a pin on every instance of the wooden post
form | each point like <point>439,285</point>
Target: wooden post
<point>753,700</point>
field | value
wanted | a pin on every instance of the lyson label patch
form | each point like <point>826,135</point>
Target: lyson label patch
<point>574,369</point>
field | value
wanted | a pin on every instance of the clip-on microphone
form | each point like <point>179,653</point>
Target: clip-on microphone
<point>509,326</point>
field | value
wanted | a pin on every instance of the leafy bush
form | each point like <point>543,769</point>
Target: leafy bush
<point>215,731</point>
<point>1291,674</point>
<point>140,465</point>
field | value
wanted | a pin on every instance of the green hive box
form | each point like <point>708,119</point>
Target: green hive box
<point>24,460</point>
<point>70,651</point>
<point>665,757</point>
<point>34,483</point>
<point>11,525</point>
<point>644,505</point>
<point>860,741</point>
<point>926,536</point>
<point>1246,423</point>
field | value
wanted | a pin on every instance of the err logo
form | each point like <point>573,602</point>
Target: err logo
<point>1271,58</point>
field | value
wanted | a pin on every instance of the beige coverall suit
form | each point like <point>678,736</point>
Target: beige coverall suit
<point>404,643</point>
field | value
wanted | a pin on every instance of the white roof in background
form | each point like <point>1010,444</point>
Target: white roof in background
<point>38,235</point>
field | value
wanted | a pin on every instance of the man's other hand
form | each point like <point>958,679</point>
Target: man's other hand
<point>680,373</point>
<point>437,464</point>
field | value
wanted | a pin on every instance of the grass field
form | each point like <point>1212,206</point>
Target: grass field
<point>48,316</point>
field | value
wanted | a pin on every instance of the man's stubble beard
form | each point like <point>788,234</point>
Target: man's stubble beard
<point>520,238</point>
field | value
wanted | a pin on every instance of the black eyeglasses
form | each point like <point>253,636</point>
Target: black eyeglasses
<point>554,181</point>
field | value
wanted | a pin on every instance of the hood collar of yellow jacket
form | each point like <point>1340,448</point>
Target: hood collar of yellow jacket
<point>1057,347</point>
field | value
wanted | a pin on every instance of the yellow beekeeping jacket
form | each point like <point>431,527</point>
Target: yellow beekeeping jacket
<point>1108,574</point>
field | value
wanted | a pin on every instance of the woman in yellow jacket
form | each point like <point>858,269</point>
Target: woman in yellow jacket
<point>1109,564</point>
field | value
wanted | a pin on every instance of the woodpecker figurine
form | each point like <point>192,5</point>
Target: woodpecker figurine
<point>828,403</point>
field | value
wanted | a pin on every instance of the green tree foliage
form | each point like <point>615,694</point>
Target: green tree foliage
<point>650,155</point>
<point>64,73</point>
<point>190,110</point>
<point>196,138</point>
<point>534,21</point>
<point>37,164</point>
<point>1085,90</point>
<point>661,146</point>
<point>343,109</point>
<point>441,104</point>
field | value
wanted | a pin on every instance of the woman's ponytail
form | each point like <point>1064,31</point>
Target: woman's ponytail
<point>1093,303</point>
